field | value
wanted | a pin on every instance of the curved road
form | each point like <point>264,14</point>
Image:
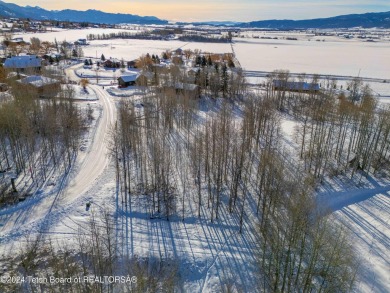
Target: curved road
<point>35,214</point>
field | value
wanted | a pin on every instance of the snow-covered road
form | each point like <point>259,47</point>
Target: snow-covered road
<point>97,158</point>
<point>35,214</point>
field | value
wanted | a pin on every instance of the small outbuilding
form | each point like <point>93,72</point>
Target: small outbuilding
<point>127,80</point>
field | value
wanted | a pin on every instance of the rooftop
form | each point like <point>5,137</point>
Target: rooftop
<point>26,61</point>
<point>38,80</point>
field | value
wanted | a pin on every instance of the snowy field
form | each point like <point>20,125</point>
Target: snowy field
<point>335,56</point>
<point>69,35</point>
<point>302,56</point>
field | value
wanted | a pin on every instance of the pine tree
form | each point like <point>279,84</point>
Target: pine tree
<point>209,61</point>
<point>204,61</point>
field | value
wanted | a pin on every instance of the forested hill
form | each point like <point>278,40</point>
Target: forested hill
<point>367,20</point>
<point>94,16</point>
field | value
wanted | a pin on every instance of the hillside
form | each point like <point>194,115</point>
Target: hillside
<point>367,20</point>
<point>94,16</point>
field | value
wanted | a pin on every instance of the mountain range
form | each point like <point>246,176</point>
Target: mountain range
<point>93,16</point>
<point>367,20</point>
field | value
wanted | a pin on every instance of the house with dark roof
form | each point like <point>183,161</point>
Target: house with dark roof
<point>127,80</point>
<point>112,63</point>
<point>141,79</point>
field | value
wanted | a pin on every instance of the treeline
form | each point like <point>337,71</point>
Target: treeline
<point>37,136</point>
<point>125,35</point>
<point>204,39</point>
<point>338,132</point>
<point>159,35</point>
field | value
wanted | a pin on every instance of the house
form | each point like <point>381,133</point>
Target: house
<point>17,41</point>
<point>183,89</point>
<point>179,51</point>
<point>127,80</point>
<point>295,86</point>
<point>81,42</point>
<point>112,63</point>
<point>132,64</point>
<point>52,57</point>
<point>43,86</point>
<point>141,79</point>
<point>23,63</point>
<point>145,78</point>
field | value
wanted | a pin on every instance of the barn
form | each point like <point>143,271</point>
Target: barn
<point>295,86</point>
<point>127,80</point>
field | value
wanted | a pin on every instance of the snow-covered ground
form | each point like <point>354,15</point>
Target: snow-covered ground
<point>210,254</point>
<point>365,211</point>
<point>369,224</point>
<point>303,56</point>
<point>380,89</point>
<point>82,94</point>
<point>130,91</point>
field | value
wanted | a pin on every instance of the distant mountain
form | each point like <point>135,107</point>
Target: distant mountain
<point>93,16</point>
<point>212,23</point>
<point>367,20</point>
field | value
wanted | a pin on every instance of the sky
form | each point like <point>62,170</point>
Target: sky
<point>216,10</point>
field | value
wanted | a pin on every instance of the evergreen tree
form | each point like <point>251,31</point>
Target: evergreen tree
<point>103,58</point>
<point>198,60</point>
<point>204,61</point>
<point>209,61</point>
